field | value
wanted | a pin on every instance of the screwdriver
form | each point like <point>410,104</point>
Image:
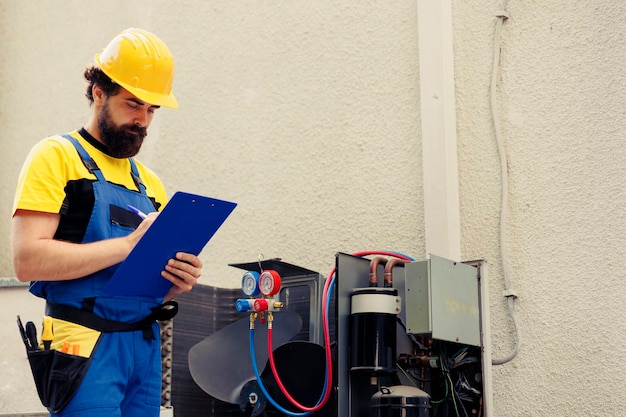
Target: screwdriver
<point>47,335</point>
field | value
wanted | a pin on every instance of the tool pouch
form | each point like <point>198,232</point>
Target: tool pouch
<point>58,373</point>
<point>59,369</point>
<point>57,376</point>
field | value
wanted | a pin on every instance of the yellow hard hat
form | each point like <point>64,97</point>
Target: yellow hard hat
<point>141,63</point>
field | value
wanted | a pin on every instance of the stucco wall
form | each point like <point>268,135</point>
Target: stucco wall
<point>562,103</point>
<point>307,115</point>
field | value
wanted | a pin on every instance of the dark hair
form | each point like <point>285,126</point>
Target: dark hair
<point>95,76</point>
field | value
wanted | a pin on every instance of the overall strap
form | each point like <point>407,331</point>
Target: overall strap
<point>135,174</point>
<point>90,164</point>
<point>93,168</point>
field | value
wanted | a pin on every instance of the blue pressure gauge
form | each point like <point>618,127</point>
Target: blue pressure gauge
<point>250,283</point>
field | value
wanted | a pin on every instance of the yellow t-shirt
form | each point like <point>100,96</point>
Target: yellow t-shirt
<point>55,180</point>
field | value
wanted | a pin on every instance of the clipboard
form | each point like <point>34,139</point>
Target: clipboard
<point>186,224</point>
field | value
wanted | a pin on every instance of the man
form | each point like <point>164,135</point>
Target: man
<point>72,226</point>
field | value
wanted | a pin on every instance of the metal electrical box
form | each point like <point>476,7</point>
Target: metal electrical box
<point>442,300</point>
<point>442,346</point>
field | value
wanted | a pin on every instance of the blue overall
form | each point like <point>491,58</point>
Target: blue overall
<point>124,378</point>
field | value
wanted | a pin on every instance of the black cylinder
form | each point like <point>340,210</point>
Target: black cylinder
<point>373,330</point>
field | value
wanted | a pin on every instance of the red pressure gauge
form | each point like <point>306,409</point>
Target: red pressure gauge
<point>269,283</point>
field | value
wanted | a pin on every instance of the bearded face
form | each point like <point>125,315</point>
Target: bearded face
<point>122,141</point>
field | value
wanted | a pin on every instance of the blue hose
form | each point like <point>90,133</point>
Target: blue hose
<point>260,382</point>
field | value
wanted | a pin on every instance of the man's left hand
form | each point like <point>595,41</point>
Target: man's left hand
<point>183,271</point>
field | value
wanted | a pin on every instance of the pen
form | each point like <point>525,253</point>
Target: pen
<point>137,211</point>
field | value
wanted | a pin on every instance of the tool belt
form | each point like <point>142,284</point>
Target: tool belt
<point>86,317</point>
<point>59,372</point>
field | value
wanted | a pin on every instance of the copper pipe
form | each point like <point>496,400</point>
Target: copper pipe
<point>374,270</point>
<point>388,280</point>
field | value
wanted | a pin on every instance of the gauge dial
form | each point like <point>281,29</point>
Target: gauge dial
<point>250,283</point>
<point>269,283</point>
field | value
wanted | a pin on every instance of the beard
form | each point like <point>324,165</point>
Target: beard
<point>121,141</point>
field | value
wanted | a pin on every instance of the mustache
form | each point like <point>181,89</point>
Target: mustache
<point>140,131</point>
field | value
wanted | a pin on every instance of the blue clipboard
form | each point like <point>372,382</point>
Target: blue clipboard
<point>186,224</point>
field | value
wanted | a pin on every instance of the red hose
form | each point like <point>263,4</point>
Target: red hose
<point>283,389</point>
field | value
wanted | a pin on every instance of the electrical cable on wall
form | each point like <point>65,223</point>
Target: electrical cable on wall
<point>509,293</point>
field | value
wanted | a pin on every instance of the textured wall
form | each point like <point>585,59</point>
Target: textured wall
<point>307,115</point>
<point>562,103</point>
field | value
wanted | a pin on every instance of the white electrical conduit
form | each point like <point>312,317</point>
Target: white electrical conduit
<point>442,223</point>
<point>509,293</point>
